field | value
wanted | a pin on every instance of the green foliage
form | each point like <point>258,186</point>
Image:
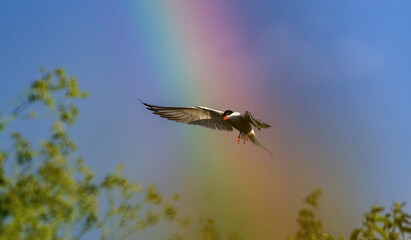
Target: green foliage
<point>47,192</point>
<point>127,215</point>
<point>310,228</point>
<point>43,195</point>
<point>208,231</point>
<point>394,225</point>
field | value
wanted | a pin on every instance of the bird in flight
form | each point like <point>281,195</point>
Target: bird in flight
<point>214,119</point>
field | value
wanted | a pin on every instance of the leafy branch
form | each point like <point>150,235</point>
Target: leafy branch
<point>47,192</point>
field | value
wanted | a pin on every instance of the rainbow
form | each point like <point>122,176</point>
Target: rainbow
<point>198,54</point>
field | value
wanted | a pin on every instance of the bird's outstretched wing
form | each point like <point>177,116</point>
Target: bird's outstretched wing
<point>255,121</point>
<point>196,115</point>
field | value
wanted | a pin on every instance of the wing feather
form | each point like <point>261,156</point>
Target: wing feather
<point>255,121</point>
<point>197,115</point>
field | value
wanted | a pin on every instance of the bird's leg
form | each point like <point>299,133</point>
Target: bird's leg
<point>245,139</point>
<point>239,139</point>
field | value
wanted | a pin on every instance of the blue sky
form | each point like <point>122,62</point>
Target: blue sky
<point>335,77</point>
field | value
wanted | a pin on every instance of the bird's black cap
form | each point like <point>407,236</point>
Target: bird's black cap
<point>227,113</point>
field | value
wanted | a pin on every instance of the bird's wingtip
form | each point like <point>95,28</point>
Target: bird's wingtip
<point>142,101</point>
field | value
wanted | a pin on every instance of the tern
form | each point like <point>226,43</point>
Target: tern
<point>214,119</point>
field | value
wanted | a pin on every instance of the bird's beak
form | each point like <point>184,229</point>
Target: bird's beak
<point>224,118</point>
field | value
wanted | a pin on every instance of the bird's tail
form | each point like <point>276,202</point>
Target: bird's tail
<point>253,138</point>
